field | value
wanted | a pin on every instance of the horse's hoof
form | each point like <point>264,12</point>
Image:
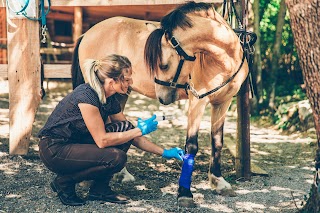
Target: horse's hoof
<point>128,178</point>
<point>185,198</point>
<point>227,192</point>
<point>186,202</point>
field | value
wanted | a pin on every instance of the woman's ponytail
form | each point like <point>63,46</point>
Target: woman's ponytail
<point>91,67</point>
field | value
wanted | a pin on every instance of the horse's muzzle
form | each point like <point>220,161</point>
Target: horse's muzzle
<point>168,99</point>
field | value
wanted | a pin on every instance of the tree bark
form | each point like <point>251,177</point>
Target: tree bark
<point>305,24</point>
<point>276,52</point>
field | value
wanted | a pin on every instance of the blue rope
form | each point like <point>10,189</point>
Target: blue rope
<point>43,16</point>
<point>22,9</point>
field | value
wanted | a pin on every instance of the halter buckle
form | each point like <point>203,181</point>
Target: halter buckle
<point>173,84</point>
<point>174,46</point>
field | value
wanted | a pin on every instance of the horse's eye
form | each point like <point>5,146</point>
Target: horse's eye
<point>163,66</point>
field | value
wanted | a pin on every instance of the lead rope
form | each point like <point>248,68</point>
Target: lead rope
<point>43,16</point>
<point>242,33</point>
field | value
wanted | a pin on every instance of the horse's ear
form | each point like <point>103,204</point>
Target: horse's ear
<point>151,27</point>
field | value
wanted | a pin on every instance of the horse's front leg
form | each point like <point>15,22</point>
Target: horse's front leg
<point>218,113</point>
<point>195,112</point>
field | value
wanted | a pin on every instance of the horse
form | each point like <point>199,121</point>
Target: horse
<point>194,54</point>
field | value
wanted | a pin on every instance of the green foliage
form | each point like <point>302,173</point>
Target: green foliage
<point>299,94</point>
<point>289,75</point>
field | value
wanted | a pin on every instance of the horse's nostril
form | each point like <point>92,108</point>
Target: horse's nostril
<point>160,100</point>
<point>173,97</point>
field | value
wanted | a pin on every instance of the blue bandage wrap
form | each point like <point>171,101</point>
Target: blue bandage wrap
<point>187,169</point>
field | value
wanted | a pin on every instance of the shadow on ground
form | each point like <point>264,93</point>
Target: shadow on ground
<point>287,159</point>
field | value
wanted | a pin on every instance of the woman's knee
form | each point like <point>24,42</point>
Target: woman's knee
<point>119,159</point>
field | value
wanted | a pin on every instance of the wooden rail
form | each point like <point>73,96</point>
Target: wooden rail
<point>50,71</point>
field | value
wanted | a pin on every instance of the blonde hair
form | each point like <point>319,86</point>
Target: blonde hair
<point>112,66</point>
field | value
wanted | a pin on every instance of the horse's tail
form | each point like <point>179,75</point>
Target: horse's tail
<point>76,74</point>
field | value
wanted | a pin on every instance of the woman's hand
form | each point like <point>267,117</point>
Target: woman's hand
<point>147,126</point>
<point>176,153</point>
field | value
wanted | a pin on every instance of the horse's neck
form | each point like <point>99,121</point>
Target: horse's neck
<point>211,70</point>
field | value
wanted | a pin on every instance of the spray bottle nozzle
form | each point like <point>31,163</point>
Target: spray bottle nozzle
<point>164,117</point>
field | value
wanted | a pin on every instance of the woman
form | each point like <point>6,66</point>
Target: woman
<point>78,144</point>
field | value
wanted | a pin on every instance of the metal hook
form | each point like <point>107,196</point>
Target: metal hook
<point>44,33</point>
<point>193,90</point>
<point>251,49</point>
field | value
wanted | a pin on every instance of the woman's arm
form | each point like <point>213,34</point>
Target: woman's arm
<point>146,145</point>
<point>96,127</point>
<point>118,117</point>
<point>140,142</point>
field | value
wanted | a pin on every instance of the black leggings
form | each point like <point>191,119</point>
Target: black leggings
<point>85,161</point>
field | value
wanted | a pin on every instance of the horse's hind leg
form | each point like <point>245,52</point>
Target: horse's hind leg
<point>124,175</point>
<point>218,113</point>
<point>195,112</point>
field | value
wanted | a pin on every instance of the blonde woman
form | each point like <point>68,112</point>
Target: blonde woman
<point>78,144</point>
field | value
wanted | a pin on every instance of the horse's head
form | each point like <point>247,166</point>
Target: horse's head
<point>170,50</point>
<point>162,62</point>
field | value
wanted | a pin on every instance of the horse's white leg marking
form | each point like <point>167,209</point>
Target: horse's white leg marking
<point>124,176</point>
<point>127,177</point>
<point>218,183</point>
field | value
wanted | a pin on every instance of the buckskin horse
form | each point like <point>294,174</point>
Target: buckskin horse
<point>194,54</point>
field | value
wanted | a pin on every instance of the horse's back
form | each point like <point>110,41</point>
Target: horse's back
<point>122,36</point>
<point>118,35</point>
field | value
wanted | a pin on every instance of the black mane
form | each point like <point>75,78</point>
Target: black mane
<point>176,18</point>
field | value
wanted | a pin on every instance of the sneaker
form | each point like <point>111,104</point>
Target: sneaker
<point>66,192</point>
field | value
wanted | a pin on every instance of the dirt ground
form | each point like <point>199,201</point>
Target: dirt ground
<point>288,159</point>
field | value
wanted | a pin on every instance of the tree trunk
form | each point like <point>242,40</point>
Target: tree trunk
<point>257,74</point>
<point>276,53</point>
<point>305,24</point>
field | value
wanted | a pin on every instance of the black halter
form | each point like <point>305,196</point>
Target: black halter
<point>176,45</point>
<point>247,46</point>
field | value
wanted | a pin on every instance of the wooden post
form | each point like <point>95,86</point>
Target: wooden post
<point>24,78</point>
<point>242,161</point>
<point>3,40</point>
<point>77,27</point>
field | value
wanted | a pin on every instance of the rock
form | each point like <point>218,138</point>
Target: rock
<point>304,110</point>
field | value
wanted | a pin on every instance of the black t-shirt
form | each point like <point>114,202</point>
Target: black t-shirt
<point>66,120</point>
